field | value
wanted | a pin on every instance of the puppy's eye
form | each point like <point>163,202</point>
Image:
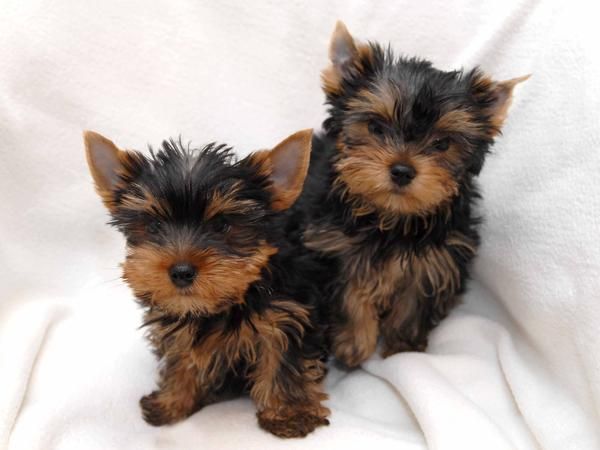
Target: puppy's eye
<point>220,224</point>
<point>441,145</point>
<point>376,128</point>
<point>153,227</point>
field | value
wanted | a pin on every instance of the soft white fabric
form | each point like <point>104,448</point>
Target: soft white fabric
<point>516,366</point>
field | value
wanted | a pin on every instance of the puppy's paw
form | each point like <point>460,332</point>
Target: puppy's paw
<point>351,351</point>
<point>294,424</point>
<point>158,410</point>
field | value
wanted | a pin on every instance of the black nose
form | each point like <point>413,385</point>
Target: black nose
<point>402,175</point>
<point>182,274</point>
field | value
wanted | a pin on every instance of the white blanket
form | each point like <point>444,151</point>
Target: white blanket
<point>516,366</point>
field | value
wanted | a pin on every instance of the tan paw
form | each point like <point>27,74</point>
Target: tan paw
<point>353,349</point>
<point>161,409</point>
<point>293,424</point>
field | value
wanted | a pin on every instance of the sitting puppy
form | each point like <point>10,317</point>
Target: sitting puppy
<point>224,292</point>
<point>389,196</point>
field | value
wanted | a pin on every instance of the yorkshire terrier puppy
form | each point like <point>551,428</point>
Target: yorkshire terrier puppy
<point>388,201</point>
<point>226,300</point>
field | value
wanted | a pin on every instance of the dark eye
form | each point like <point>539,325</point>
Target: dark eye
<point>220,224</point>
<point>442,144</point>
<point>376,128</point>
<point>153,227</point>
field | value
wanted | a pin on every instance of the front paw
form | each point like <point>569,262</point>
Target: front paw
<point>294,423</point>
<point>159,409</point>
<point>353,350</point>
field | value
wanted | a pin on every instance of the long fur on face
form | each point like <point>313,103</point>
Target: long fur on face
<point>386,110</point>
<point>196,207</point>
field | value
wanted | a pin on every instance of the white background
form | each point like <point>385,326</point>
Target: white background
<point>516,366</point>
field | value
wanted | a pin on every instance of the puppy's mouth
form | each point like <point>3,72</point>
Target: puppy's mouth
<point>399,190</point>
<point>185,292</point>
<point>158,297</point>
<point>187,303</point>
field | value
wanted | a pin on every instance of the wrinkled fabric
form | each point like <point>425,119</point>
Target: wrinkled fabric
<point>515,366</point>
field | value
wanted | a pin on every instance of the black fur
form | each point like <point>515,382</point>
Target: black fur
<point>321,204</point>
<point>426,93</point>
<point>185,180</point>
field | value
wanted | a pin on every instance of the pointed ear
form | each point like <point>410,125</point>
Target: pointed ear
<point>342,49</point>
<point>503,95</point>
<point>496,97</point>
<point>344,54</point>
<point>106,163</point>
<point>286,166</point>
<point>289,166</point>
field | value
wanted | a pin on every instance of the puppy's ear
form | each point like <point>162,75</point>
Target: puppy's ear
<point>344,54</point>
<point>342,49</point>
<point>106,163</point>
<point>495,97</point>
<point>286,165</point>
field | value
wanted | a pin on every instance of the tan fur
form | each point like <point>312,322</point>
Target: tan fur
<point>176,398</point>
<point>261,342</point>
<point>459,121</point>
<point>331,80</point>
<point>107,177</point>
<point>381,101</point>
<point>388,298</point>
<point>356,338</point>
<point>404,296</point>
<point>503,93</point>
<point>274,402</point>
<point>184,386</point>
<point>146,271</point>
<point>148,203</point>
<point>224,203</point>
<point>504,90</point>
<point>400,324</point>
<point>370,291</point>
<point>364,176</point>
<point>209,344</point>
<point>289,166</point>
<point>332,77</point>
<point>285,416</point>
<point>286,166</point>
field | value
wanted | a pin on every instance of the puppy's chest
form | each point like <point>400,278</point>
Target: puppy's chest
<point>376,281</point>
<point>382,273</point>
<point>366,272</point>
<point>204,346</point>
<point>226,343</point>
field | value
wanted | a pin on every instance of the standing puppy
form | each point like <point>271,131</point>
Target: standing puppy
<point>226,300</point>
<point>391,188</point>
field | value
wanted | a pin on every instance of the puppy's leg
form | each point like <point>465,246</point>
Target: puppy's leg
<point>403,326</point>
<point>288,394</point>
<point>355,335</point>
<point>355,328</point>
<point>438,279</point>
<point>402,333</point>
<point>184,388</point>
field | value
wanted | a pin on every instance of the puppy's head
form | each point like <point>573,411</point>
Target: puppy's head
<point>197,223</point>
<point>407,134</point>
